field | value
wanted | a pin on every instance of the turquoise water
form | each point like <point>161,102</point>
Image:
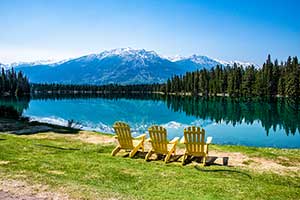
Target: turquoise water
<point>255,123</point>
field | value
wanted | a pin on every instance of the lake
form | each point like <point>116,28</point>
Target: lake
<point>262,123</point>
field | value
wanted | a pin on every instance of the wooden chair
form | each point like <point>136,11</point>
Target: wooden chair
<point>194,143</point>
<point>160,143</point>
<point>126,141</point>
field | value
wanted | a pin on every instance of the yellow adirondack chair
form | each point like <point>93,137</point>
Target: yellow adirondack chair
<point>194,142</point>
<point>160,144</point>
<point>126,141</point>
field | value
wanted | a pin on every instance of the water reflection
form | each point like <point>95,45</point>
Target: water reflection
<point>273,114</point>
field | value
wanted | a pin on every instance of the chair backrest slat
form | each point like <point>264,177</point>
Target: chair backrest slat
<point>158,135</point>
<point>124,135</point>
<point>194,138</point>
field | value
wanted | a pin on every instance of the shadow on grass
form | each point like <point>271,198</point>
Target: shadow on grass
<point>210,160</point>
<point>55,147</point>
<point>202,169</point>
<point>2,139</point>
<point>142,155</point>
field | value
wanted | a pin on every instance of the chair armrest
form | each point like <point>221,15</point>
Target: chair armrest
<point>148,140</point>
<point>182,140</point>
<point>175,140</point>
<point>208,140</point>
<point>143,136</point>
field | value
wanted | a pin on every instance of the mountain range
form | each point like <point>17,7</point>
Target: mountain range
<point>123,66</point>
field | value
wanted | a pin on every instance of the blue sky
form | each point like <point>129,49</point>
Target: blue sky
<point>228,30</point>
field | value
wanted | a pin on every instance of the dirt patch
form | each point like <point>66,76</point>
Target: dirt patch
<point>94,138</point>
<point>9,196</point>
<point>237,159</point>
<point>264,165</point>
<point>83,136</point>
<point>21,190</point>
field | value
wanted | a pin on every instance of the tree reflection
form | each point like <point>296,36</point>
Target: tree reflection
<point>271,113</point>
<point>13,107</point>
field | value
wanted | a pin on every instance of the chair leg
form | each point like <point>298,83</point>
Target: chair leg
<point>143,148</point>
<point>183,159</point>
<point>115,151</point>
<point>173,150</point>
<point>167,158</point>
<point>204,160</point>
<point>148,155</point>
<point>133,151</point>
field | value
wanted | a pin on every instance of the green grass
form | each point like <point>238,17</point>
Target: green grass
<point>88,171</point>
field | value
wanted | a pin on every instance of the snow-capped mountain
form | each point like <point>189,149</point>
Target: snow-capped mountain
<point>239,63</point>
<point>123,66</point>
<point>175,58</point>
<point>195,62</point>
<point>34,63</point>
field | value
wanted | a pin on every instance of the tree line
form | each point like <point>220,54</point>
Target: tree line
<point>272,79</point>
<point>13,84</point>
<point>93,89</point>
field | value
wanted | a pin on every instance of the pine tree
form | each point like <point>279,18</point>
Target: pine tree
<point>195,83</point>
<point>204,82</point>
<point>292,83</point>
<point>248,81</point>
<point>168,86</point>
<point>275,78</point>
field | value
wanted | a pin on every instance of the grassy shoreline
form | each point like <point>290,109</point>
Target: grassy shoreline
<point>78,165</point>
